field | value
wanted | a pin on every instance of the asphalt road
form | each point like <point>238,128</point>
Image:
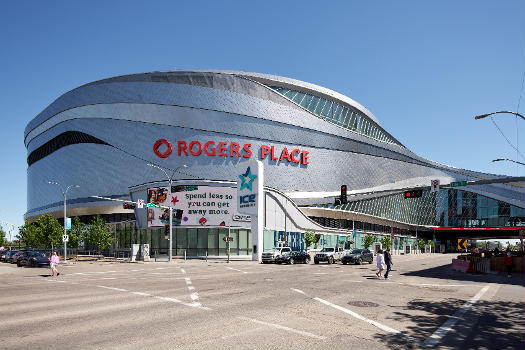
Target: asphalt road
<point>244,305</point>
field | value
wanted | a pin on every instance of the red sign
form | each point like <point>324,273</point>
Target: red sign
<point>231,149</point>
<point>160,143</point>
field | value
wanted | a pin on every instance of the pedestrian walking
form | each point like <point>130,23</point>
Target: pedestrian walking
<point>380,262</point>
<point>508,261</point>
<point>53,264</point>
<point>388,262</point>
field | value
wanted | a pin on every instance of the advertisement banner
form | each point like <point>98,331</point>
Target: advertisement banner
<point>249,187</point>
<point>194,206</point>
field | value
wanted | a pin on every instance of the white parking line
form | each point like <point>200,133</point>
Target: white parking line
<point>113,288</point>
<point>231,268</point>
<point>447,326</point>
<point>307,334</point>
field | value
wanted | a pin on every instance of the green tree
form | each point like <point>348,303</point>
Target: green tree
<point>386,242</point>
<point>3,241</point>
<point>421,244</point>
<point>51,231</point>
<point>77,232</point>
<point>98,235</point>
<point>309,239</point>
<point>369,239</point>
<point>30,234</point>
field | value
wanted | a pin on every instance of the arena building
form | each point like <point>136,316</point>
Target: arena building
<point>198,125</point>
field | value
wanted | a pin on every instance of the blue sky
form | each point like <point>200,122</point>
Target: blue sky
<point>424,68</point>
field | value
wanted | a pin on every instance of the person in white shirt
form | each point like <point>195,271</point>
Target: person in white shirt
<point>380,262</point>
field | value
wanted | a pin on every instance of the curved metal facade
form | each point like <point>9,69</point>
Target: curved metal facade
<point>126,115</point>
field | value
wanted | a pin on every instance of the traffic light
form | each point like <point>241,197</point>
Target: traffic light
<point>343,194</point>
<point>413,194</point>
<point>127,205</point>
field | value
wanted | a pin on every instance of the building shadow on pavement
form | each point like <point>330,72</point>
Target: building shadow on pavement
<point>445,272</point>
<point>487,325</point>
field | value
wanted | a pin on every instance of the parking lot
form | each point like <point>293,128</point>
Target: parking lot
<point>245,305</point>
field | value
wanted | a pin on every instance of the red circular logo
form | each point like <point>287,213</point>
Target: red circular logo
<point>158,144</point>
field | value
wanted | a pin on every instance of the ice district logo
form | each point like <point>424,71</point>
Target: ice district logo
<point>245,183</point>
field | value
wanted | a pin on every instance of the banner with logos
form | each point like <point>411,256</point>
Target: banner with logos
<point>195,206</point>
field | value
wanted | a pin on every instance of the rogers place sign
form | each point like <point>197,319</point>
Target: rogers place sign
<point>230,149</point>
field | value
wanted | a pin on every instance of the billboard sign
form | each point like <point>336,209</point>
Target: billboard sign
<point>193,206</point>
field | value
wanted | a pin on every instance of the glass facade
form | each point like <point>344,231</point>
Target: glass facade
<point>334,113</point>
<point>448,208</point>
<point>193,241</point>
<point>295,240</point>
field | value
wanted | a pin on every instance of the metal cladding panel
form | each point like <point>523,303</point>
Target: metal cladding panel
<point>163,94</point>
<point>131,116</point>
<point>89,120</point>
<point>109,170</point>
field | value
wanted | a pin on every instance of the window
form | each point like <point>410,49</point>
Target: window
<point>335,113</point>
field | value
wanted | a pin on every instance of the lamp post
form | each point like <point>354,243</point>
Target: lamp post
<point>481,116</point>
<point>510,160</point>
<point>170,179</point>
<point>64,193</point>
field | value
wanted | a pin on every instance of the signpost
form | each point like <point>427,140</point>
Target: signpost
<point>65,238</point>
<point>462,244</point>
<point>140,203</point>
<point>250,195</point>
<point>458,183</point>
<point>434,186</point>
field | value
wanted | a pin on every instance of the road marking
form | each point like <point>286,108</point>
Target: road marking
<point>359,317</point>
<point>307,334</point>
<point>140,293</point>
<point>241,333</point>
<point>447,326</point>
<point>298,291</point>
<point>113,288</point>
<point>109,278</point>
<point>194,295</point>
<point>320,273</point>
<point>231,268</point>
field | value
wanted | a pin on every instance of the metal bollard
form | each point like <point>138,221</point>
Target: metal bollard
<point>184,255</point>
<point>206,255</point>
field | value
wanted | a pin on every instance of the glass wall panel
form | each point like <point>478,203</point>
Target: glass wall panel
<point>213,241</point>
<point>202,241</point>
<point>223,232</point>
<point>243,242</point>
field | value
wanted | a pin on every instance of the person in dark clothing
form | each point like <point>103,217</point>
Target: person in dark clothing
<point>388,262</point>
<point>508,263</point>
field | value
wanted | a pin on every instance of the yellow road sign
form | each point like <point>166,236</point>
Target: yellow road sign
<point>462,243</point>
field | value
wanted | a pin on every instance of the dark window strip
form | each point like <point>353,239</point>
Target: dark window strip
<point>65,139</point>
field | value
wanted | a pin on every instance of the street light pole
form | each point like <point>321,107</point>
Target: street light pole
<point>64,193</point>
<point>510,160</point>
<point>170,179</point>
<point>481,116</point>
